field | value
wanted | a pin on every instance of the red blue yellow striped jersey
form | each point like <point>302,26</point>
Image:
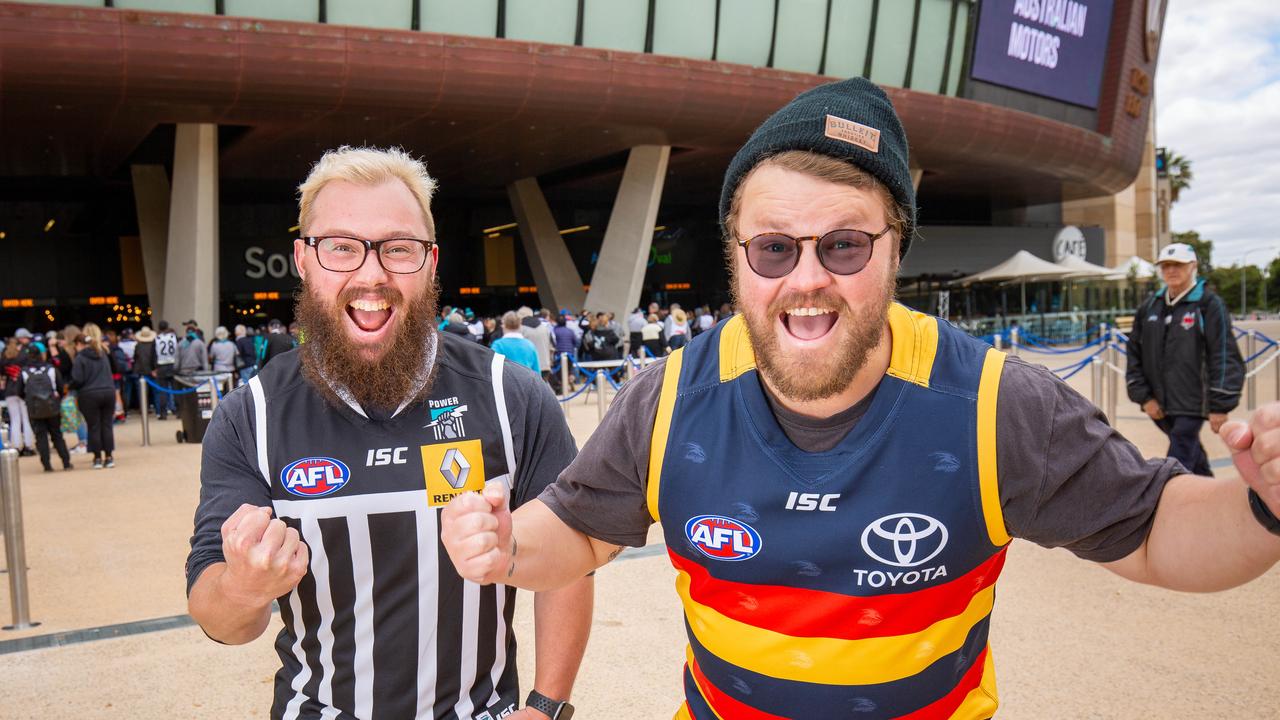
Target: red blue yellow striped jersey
<point>855,582</point>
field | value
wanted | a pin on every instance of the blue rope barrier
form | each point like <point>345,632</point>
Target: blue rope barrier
<point>1069,375</point>
<point>1032,346</point>
<point>168,391</point>
<point>584,388</point>
<point>1075,338</point>
<point>1258,354</point>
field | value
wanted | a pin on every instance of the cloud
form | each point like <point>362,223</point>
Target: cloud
<point>1218,104</point>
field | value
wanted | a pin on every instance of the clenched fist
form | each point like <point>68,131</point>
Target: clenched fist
<point>1255,449</point>
<point>265,558</point>
<point>476,530</point>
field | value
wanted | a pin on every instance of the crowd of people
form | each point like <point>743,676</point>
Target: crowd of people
<point>654,331</point>
<point>84,380</point>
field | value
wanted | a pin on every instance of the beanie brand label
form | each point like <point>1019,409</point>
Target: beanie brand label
<point>863,136</point>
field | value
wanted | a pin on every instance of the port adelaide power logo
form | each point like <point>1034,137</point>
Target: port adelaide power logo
<point>446,418</point>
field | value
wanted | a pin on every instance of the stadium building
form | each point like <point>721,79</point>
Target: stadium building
<point>150,149</point>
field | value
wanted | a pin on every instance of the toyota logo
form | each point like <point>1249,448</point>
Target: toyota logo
<point>910,539</point>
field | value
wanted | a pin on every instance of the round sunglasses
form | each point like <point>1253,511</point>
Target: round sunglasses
<point>842,252</point>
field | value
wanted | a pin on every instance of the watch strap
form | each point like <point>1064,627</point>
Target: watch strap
<point>543,704</point>
<point>1263,513</point>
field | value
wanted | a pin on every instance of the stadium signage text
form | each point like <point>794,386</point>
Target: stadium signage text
<point>1054,48</point>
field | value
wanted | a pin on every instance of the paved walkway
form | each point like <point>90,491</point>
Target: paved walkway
<point>106,548</point>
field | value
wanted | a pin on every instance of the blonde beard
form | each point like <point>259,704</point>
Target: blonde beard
<point>809,377</point>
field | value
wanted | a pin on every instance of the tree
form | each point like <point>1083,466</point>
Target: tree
<point>1226,282</point>
<point>1203,248</point>
<point>1178,168</point>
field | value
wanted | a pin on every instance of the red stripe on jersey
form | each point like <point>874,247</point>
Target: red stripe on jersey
<point>723,705</point>
<point>817,613</point>
<point>946,706</point>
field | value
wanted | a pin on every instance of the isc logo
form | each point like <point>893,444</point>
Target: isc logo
<point>722,538</point>
<point>314,476</point>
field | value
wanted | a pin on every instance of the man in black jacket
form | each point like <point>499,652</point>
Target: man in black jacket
<point>1184,363</point>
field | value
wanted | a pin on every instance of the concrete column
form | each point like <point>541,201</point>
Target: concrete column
<point>559,285</point>
<point>624,256</point>
<point>151,198</point>
<point>191,266</point>
<point>1145,201</point>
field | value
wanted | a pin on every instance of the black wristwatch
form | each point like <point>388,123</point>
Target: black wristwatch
<point>554,709</point>
<point>1263,513</point>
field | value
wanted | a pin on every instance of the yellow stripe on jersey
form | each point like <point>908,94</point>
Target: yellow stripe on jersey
<point>982,701</point>
<point>915,344</point>
<point>736,354</point>
<point>683,713</point>
<point>661,428</point>
<point>830,661</point>
<point>988,475</point>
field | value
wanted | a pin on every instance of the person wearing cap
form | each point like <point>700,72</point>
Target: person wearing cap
<point>838,477</point>
<point>1184,365</point>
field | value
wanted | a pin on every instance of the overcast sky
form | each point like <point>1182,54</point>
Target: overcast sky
<point>1218,104</point>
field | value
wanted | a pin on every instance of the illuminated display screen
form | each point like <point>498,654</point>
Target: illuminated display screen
<point>1053,48</point>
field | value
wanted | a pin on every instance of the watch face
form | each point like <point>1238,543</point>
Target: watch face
<point>566,712</point>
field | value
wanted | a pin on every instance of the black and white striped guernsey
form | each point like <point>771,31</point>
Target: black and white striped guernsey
<point>382,626</point>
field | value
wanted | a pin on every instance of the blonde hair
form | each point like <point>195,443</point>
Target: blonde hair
<point>822,167</point>
<point>368,166</point>
<point>94,334</point>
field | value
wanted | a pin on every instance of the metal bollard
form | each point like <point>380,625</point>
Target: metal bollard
<point>1095,381</point>
<point>15,550</point>
<point>143,394</point>
<point>1112,381</point>
<point>213,393</point>
<point>999,341</point>
<point>1251,381</point>
<point>600,394</point>
<point>564,375</point>
<point>1013,340</point>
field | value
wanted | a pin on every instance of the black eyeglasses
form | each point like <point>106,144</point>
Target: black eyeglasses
<point>843,252</point>
<point>403,256</point>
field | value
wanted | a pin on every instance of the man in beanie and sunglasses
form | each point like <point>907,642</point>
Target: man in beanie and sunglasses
<point>838,477</point>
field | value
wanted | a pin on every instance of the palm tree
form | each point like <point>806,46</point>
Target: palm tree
<point>1178,169</point>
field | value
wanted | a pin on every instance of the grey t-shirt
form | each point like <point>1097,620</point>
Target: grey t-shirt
<point>1066,477</point>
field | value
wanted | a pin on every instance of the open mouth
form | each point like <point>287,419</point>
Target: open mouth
<point>808,324</point>
<point>370,315</point>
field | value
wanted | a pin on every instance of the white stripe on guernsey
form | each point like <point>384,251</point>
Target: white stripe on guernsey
<point>470,633</point>
<point>362,571</point>
<point>304,675</point>
<point>260,426</point>
<point>324,604</point>
<point>428,600</point>
<point>351,505</point>
<point>500,650</point>
<point>500,397</point>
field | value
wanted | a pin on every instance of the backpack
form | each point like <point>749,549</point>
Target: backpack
<point>42,398</point>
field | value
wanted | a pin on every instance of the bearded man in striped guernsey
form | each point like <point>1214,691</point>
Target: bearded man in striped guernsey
<point>838,477</point>
<point>323,482</point>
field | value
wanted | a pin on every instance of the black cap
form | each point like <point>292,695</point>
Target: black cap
<point>851,120</point>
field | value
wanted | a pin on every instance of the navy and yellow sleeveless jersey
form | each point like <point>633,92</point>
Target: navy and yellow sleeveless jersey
<point>857,581</point>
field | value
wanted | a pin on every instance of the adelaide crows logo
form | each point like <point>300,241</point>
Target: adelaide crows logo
<point>446,418</point>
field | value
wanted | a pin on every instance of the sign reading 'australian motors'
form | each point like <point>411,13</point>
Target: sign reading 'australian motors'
<point>1054,48</point>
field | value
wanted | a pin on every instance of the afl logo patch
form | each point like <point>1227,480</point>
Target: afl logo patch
<point>905,539</point>
<point>314,476</point>
<point>1188,321</point>
<point>722,538</point>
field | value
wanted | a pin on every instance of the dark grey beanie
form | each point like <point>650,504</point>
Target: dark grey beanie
<point>850,120</point>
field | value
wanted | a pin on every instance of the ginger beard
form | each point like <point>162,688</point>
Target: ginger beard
<point>380,376</point>
<point>809,376</point>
